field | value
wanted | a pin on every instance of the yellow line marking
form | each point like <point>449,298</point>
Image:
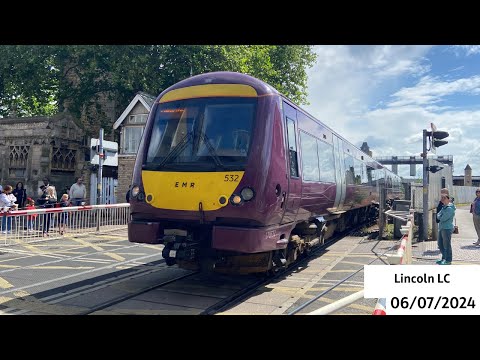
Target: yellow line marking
<point>115,256</point>
<point>127,253</point>
<point>5,299</point>
<point>69,252</point>
<point>339,271</point>
<point>88,244</point>
<point>63,267</point>
<point>22,293</point>
<point>4,284</point>
<point>156,247</point>
<point>9,266</point>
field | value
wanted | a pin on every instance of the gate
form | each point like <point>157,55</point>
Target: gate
<point>109,186</point>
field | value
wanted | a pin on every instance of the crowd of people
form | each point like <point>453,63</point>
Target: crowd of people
<point>16,199</point>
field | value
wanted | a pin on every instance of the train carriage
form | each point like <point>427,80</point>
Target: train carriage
<point>233,176</point>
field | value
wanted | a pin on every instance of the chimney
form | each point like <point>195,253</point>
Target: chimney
<point>468,176</point>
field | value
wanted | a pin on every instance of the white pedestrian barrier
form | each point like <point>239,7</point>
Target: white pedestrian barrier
<point>25,226</point>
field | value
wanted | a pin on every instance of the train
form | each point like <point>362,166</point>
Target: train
<point>234,177</point>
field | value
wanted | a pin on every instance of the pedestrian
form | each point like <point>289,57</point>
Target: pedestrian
<point>63,215</point>
<point>31,218</point>
<point>443,191</point>
<point>475,210</point>
<point>51,199</point>
<point>78,192</point>
<point>21,195</point>
<point>445,230</point>
<point>7,204</point>
<point>42,192</point>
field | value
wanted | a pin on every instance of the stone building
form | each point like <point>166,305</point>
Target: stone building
<point>32,148</point>
<point>467,179</point>
<point>131,124</point>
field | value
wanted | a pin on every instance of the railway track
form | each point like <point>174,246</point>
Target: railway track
<point>158,289</point>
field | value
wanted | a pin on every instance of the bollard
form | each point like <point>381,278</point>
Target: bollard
<point>380,308</point>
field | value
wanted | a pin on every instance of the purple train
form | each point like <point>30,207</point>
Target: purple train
<point>232,175</point>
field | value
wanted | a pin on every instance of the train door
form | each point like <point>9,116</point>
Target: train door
<point>339,172</point>
<point>293,194</point>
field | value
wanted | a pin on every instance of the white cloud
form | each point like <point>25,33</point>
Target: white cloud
<point>347,81</point>
<point>468,49</point>
<point>431,90</point>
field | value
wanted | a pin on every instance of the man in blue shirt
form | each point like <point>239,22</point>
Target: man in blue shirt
<point>475,210</point>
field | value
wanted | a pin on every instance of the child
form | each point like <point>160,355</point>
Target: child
<point>30,218</point>
<point>64,215</point>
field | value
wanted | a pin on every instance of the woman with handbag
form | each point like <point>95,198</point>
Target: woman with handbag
<point>445,229</point>
<point>475,210</point>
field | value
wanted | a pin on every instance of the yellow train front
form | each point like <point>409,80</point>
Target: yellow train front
<point>225,177</point>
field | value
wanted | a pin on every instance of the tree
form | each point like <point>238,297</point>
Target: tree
<point>96,82</point>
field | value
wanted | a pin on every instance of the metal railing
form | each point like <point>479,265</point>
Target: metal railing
<point>26,226</point>
<point>403,256</point>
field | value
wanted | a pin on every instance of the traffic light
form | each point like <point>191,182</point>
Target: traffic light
<point>437,137</point>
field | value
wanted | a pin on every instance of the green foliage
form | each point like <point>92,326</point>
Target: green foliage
<point>44,79</point>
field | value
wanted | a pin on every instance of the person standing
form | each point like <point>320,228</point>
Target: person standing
<point>78,192</point>
<point>475,210</point>
<point>445,230</point>
<point>42,191</point>
<point>21,195</point>
<point>7,204</point>
<point>51,199</point>
<point>31,218</point>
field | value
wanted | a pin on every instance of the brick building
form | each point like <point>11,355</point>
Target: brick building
<point>131,124</point>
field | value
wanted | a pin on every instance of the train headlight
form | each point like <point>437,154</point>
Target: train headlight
<point>135,191</point>
<point>236,200</point>
<point>247,193</point>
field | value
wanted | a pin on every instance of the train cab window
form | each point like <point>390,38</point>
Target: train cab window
<point>202,133</point>
<point>292,148</point>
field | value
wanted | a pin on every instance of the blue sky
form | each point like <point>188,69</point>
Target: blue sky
<point>387,94</point>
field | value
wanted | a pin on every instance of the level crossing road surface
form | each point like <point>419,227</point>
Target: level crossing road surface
<point>75,274</point>
<point>102,273</point>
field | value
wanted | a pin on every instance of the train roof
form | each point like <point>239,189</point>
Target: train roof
<point>262,89</point>
<point>226,77</point>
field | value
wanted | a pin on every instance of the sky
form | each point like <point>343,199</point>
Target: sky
<point>387,94</point>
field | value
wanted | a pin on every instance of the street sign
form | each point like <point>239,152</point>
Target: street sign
<point>110,154</point>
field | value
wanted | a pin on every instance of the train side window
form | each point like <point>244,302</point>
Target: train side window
<point>349,170</point>
<point>310,169</point>
<point>327,162</point>
<point>292,148</point>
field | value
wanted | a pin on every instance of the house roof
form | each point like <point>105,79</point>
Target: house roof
<point>147,100</point>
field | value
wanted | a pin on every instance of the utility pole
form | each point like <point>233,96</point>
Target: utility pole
<point>425,187</point>
<point>100,168</point>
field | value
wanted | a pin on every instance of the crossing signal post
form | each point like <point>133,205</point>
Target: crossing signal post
<point>436,140</point>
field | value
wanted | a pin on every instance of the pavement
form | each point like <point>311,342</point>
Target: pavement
<point>463,250</point>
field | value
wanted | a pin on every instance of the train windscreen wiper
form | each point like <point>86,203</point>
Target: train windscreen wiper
<point>211,150</point>
<point>172,155</point>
